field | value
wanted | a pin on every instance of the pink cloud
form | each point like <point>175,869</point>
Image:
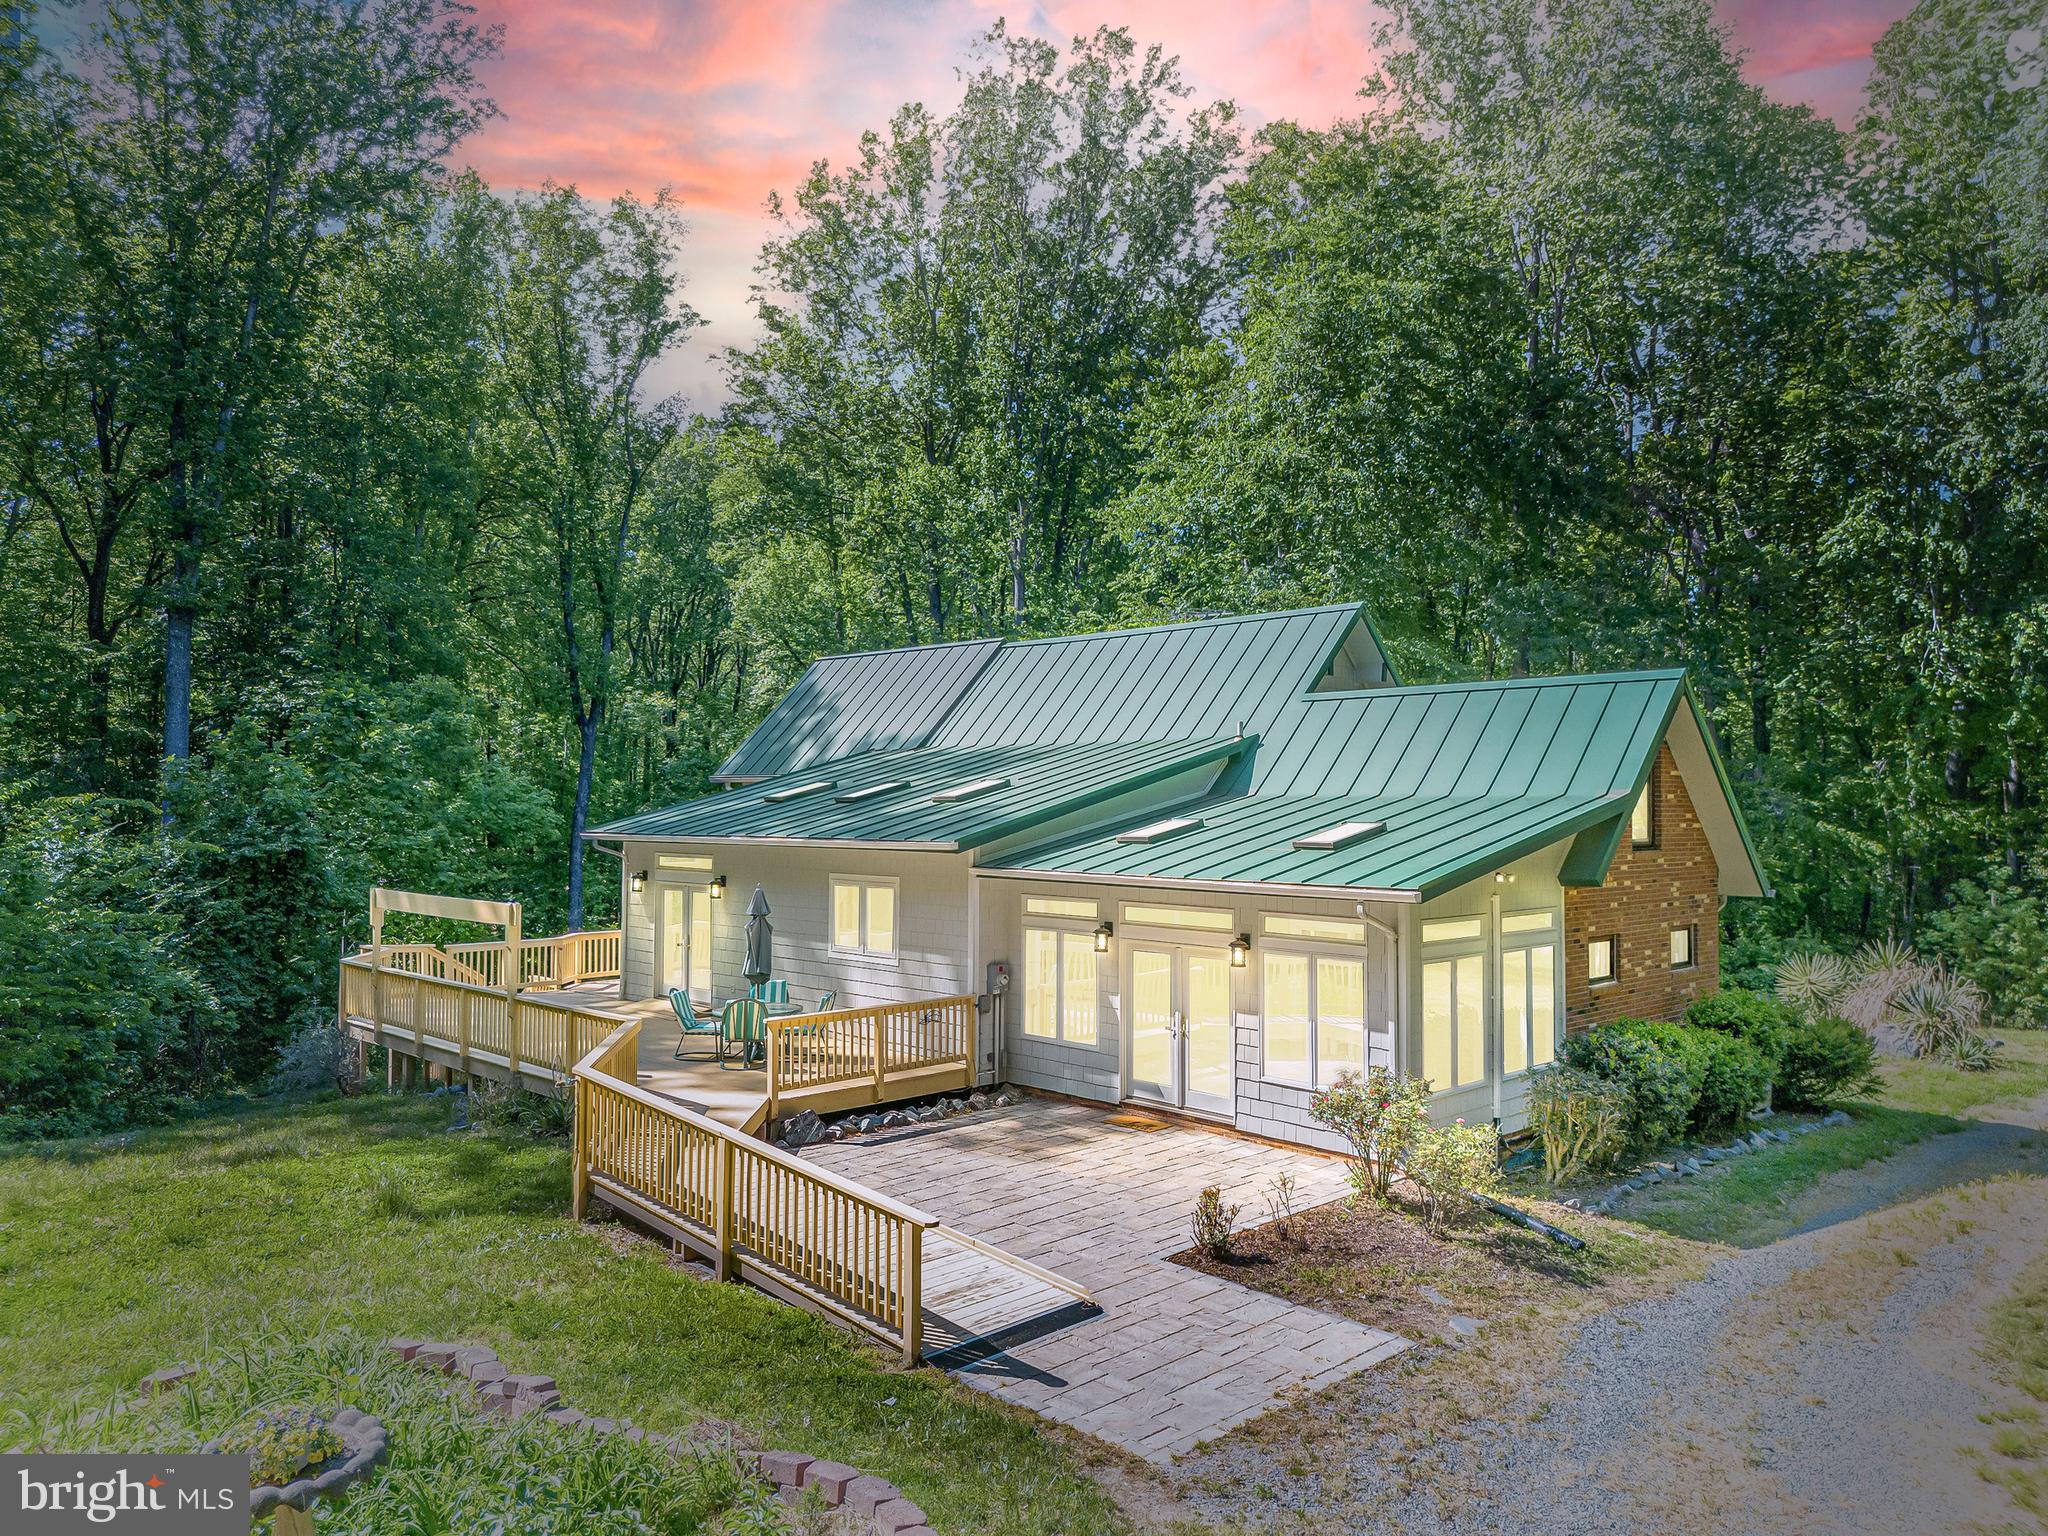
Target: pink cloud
<point>726,100</point>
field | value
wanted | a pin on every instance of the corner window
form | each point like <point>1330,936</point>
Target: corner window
<point>1059,985</point>
<point>1682,947</point>
<point>1600,959</point>
<point>1314,1017</point>
<point>1642,821</point>
<point>864,917</point>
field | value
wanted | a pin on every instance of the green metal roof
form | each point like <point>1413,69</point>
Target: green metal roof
<point>1038,784</point>
<point>1465,777</point>
<point>876,701</point>
<point>1209,677</point>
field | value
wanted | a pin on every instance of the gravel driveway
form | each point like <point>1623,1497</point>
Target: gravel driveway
<point>1825,1383</point>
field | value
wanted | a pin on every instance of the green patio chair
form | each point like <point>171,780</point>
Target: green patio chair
<point>696,1028</point>
<point>774,993</point>
<point>743,1031</point>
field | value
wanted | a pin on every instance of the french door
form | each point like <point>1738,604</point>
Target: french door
<point>686,941</point>
<point>1178,1018</point>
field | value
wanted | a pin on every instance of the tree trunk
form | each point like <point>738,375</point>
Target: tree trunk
<point>586,762</point>
<point>183,606</point>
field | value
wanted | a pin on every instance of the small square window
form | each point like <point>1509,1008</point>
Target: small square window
<point>1600,955</point>
<point>1642,821</point>
<point>1681,947</point>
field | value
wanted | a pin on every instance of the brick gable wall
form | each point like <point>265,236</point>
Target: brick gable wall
<point>1649,892</point>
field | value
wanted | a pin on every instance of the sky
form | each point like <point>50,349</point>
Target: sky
<point>724,101</point>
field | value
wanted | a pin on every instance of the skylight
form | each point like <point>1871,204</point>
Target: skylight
<point>1172,826</point>
<point>970,789</point>
<point>794,790</point>
<point>1342,835</point>
<point>855,796</point>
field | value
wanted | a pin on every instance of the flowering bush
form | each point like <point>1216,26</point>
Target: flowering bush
<point>1379,1114</point>
<point>1446,1163</point>
<point>1582,1121</point>
<point>1213,1223</point>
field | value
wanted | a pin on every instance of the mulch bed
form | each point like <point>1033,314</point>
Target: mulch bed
<point>1369,1263</point>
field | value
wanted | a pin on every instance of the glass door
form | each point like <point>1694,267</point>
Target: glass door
<point>686,941</point>
<point>1179,1020</point>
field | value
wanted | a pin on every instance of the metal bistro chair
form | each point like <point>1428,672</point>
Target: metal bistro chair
<point>704,1031</point>
<point>744,1027</point>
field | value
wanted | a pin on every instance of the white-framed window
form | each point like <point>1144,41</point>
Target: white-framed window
<point>1314,1006</point>
<point>1453,930</point>
<point>1682,943</point>
<point>1060,997</point>
<point>1454,1020</point>
<point>1528,1007</point>
<point>1602,955</point>
<point>863,914</point>
<point>1203,919</point>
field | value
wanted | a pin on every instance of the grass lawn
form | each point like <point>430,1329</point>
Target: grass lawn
<point>2021,1074</point>
<point>2016,1342</point>
<point>1744,1202</point>
<point>122,1255</point>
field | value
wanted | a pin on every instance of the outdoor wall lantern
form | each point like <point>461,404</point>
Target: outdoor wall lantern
<point>639,881</point>
<point>718,887</point>
<point>1240,950</point>
<point>1103,934</point>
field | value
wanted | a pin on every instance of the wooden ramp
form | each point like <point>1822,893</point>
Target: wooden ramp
<point>978,1299</point>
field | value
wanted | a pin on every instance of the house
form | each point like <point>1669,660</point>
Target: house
<point>1209,866</point>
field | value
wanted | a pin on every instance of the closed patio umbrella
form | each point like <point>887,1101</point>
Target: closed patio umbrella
<point>760,962</point>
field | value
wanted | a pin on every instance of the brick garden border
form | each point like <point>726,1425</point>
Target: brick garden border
<point>791,1474</point>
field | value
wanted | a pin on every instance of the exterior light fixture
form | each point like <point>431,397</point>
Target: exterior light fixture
<point>1103,934</point>
<point>1240,950</point>
<point>639,881</point>
<point>718,887</point>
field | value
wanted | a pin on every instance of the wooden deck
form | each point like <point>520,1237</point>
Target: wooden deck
<point>730,1095</point>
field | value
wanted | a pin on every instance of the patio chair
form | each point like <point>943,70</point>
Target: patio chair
<point>774,993</point>
<point>743,1030</point>
<point>695,1027</point>
<point>825,1002</point>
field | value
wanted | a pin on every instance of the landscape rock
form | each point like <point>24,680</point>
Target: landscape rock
<point>803,1128</point>
<point>405,1349</point>
<point>897,1516</point>
<point>1464,1327</point>
<point>866,1492</point>
<point>1835,1117</point>
<point>783,1468</point>
<point>169,1379</point>
<point>831,1479</point>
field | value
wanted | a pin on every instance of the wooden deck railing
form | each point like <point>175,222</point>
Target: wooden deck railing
<point>850,1045</point>
<point>790,1227</point>
<point>561,961</point>
<point>468,1021</point>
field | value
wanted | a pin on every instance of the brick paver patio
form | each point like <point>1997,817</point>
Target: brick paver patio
<point>1176,1357</point>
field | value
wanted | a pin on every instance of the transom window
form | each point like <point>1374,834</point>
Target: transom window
<point>1451,930</point>
<point>863,916</point>
<point>1332,930</point>
<point>1528,922</point>
<point>695,861</point>
<point>1207,919</point>
<point>1059,985</point>
<point>1060,906</point>
<point>1315,1017</point>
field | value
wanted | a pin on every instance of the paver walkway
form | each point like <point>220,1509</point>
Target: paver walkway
<point>1176,1357</point>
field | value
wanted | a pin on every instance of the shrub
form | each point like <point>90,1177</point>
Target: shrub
<point>1907,1005</point>
<point>1447,1163</point>
<point>1379,1114</point>
<point>1213,1223</point>
<point>1827,1060</point>
<point>1753,1016</point>
<point>1581,1121</point>
<point>510,1107</point>
<point>316,1059</point>
<point>1737,1078</point>
<point>1655,1064</point>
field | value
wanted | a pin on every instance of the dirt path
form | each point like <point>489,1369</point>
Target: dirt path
<point>1827,1383</point>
